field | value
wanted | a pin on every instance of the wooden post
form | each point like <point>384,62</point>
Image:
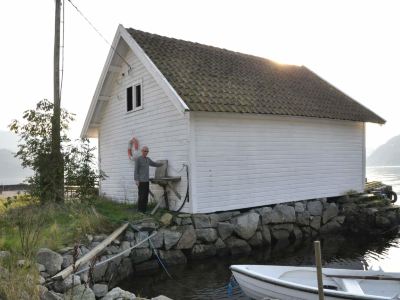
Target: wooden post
<point>318,263</point>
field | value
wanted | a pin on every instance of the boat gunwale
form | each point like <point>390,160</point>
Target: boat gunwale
<point>304,288</point>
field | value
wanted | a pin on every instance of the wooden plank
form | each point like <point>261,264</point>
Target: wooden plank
<point>92,253</point>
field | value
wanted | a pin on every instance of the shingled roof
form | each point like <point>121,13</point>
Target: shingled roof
<point>218,80</point>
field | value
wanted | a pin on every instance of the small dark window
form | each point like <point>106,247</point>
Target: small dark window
<point>129,99</point>
<point>138,95</point>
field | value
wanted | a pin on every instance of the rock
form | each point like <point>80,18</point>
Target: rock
<point>125,268</point>
<point>129,236</point>
<point>219,244</point>
<point>118,293</point>
<point>80,292</point>
<point>208,235</point>
<point>225,230</point>
<point>283,213</point>
<point>68,260</point>
<point>237,246</point>
<point>166,219</point>
<point>329,227</point>
<point>44,274</point>
<point>141,236</point>
<point>42,290</point>
<point>266,214</point>
<point>187,221</point>
<point>187,239</point>
<point>213,220</point>
<point>329,213</point>
<point>99,271</point>
<point>224,216</point>
<point>140,255</point>
<point>93,245</point>
<point>50,295</point>
<point>125,245</point>
<point>382,222</point>
<point>100,290</point>
<point>158,240</point>
<point>4,255</point>
<point>50,259</point>
<point>147,226</point>
<point>22,263</point>
<point>256,240</point>
<point>66,250</point>
<point>297,233</point>
<point>84,250</point>
<point>315,208</point>
<point>61,286</point>
<point>4,273</point>
<point>173,257</point>
<point>41,280</point>
<point>177,221</point>
<point>112,249</point>
<point>147,265</point>
<point>203,251</point>
<point>201,221</point>
<point>340,219</point>
<point>266,234</point>
<point>245,225</point>
<point>303,218</point>
<point>171,238</point>
<point>99,238</point>
<point>299,207</point>
<point>315,222</point>
<point>161,297</point>
<point>281,231</point>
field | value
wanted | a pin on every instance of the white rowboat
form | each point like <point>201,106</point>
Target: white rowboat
<point>287,282</point>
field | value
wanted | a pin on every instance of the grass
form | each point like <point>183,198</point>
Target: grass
<point>60,225</point>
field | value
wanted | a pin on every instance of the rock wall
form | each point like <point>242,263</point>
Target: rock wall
<point>184,237</point>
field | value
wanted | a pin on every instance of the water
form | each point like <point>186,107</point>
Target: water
<point>208,279</point>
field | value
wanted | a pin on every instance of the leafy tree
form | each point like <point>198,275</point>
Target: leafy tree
<point>35,132</point>
<point>35,152</point>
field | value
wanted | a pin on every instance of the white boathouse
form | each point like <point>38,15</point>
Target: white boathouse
<point>252,132</point>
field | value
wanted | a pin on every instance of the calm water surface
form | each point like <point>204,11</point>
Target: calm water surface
<point>208,279</point>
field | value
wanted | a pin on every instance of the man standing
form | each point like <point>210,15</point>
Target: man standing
<point>142,164</point>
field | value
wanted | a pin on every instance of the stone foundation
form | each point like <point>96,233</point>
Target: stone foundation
<point>184,237</point>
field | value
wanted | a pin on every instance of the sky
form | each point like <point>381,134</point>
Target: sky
<point>354,45</point>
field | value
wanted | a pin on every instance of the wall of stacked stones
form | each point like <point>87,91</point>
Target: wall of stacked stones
<point>183,237</point>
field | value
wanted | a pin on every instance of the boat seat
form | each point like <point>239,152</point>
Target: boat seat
<point>352,286</point>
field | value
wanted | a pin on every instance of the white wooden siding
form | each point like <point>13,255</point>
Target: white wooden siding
<point>248,160</point>
<point>158,125</point>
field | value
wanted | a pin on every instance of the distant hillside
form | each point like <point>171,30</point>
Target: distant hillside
<point>11,171</point>
<point>386,155</point>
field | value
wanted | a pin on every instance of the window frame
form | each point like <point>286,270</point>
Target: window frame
<point>134,102</point>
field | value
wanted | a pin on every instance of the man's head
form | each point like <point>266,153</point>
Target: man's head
<point>145,151</point>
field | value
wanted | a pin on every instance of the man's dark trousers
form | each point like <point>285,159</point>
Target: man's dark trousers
<point>143,196</point>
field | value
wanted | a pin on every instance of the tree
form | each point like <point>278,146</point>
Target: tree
<point>35,149</point>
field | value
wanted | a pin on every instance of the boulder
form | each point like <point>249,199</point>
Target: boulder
<point>171,238</point>
<point>50,295</point>
<point>283,213</point>
<point>129,236</point>
<point>125,268</point>
<point>187,239</point>
<point>299,207</point>
<point>161,297</point>
<point>158,240</point>
<point>245,225</point>
<point>166,219</point>
<point>68,260</point>
<point>256,240</point>
<point>203,251</point>
<point>297,233</point>
<point>80,292</point>
<point>315,222</point>
<point>237,246</point>
<point>315,208</point>
<point>140,255</point>
<point>281,231</point>
<point>100,290</point>
<point>208,235</point>
<point>329,227</point>
<point>50,259</point>
<point>201,221</point>
<point>118,293</point>
<point>187,221</point>
<point>40,268</point>
<point>266,214</point>
<point>225,230</point>
<point>125,245</point>
<point>213,220</point>
<point>61,286</point>
<point>266,234</point>
<point>329,213</point>
<point>224,216</point>
<point>147,265</point>
<point>140,237</point>
<point>303,218</point>
<point>99,271</point>
<point>173,257</point>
